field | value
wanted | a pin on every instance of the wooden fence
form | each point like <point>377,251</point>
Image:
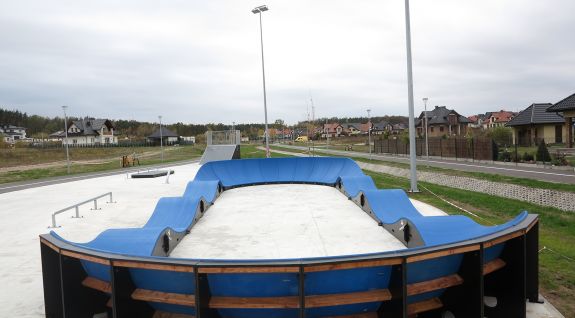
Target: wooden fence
<point>455,147</point>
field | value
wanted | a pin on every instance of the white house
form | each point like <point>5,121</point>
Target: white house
<point>12,133</point>
<point>88,131</point>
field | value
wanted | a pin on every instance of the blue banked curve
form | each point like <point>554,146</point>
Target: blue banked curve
<point>178,215</point>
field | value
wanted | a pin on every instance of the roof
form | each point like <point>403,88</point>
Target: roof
<point>165,133</point>
<point>439,115</point>
<point>502,116</point>
<point>382,125</point>
<point>536,114</point>
<point>565,104</point>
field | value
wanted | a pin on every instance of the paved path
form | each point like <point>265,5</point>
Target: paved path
<point>15,186</point>
<point>536,173</point>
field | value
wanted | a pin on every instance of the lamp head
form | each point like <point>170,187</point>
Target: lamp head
<point>260,9</point>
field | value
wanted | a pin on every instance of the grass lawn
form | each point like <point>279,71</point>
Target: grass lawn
<point>153,156</point>
<point>557,230</point>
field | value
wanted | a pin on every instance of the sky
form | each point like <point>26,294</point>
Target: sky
<point>198,62</point>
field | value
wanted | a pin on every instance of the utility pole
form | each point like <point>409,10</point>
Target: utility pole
<point>425,99</point>
<point>412,158</point>
<point>161,140</point>
<point>259,11</point>
<point>369,131</point>
<point>66,132</point>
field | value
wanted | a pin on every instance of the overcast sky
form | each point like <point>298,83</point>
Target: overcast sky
<point>199,61</point>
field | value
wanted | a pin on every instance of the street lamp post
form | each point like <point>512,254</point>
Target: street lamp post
<point>161,140</point>
<point>66,133</point>
<point>259,10</point>
<point>369,132</point>
<point>425,99</point>
<point>412,154</point>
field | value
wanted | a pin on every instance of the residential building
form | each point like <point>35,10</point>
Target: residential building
<point>166,135</point>
<point>567,108</point>
<point>535,124</point>
<point>332,130</point>
<point>398,128</point>
<point>88,131</point>
<point>479,121</point>
<point>12,133</point>
<point>355,129</point>
<point>442,122</point>
<point>500,118</point>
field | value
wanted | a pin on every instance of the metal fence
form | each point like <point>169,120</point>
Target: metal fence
<point>224,137</point>
<point>456,147</point>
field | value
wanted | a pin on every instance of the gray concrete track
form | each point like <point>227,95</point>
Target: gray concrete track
<point>535,173</point>
<point>16,186</point>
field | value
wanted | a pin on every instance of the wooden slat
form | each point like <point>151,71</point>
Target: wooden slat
<point>453,251</point>
<point>162,297</point>
<point>423,306</point>
<point>347,299</point>
<point>246,269</point>
<point>162,314</point>
<point>50,245</point>
<point>97,284</point>
<point>254,302</point>
<point>362,315</point>
<point>492,266</point>
<point>503,238</point>
<point>161,267</point>
<point>350,265</point>
<point>435,284</point>
<point>85,257</point>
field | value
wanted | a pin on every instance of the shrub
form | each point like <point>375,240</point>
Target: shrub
<point>501,135</point>
<point>543,153</point>
<point>505,156</point>
<point>527,157</point>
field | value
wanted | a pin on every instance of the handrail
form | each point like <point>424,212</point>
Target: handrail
<point>77,205</point>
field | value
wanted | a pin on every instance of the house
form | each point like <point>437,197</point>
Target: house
<point>500,118</point>
<point>442,121</point>
<point>167,136</point>
<point>354,129</point>
<point>88,131</point>
<point>398,128</point>
<point>567,108</point>
<point>12,133</point>
<point>479,121</point>
<point>382,127</point>
<point>535,124</point>
<point>332,130</point>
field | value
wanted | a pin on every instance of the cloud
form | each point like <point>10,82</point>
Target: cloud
<point>197,61</point>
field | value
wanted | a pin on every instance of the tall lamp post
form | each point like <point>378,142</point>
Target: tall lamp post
<point>412,154</point>
<point>369,132</point>
<point>425,99</point>
<point>66,133</point>
<point>259,10</point>
<point>161,140</point>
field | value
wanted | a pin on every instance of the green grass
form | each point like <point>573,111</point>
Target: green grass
<point>173,154</point>
<point>557,231</point>
<point>251,151</point>
<point>477,175</point>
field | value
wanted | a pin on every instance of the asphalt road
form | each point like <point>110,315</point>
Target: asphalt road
<point>535,173</point>
<point>16,186</point>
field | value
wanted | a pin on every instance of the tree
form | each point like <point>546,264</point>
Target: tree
<point>501,135</point>
<point>543,153</point>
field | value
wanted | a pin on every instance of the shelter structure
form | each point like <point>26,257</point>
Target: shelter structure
<point>167,136</point>
<point>567,108</point>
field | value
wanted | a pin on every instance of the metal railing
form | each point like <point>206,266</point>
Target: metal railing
<point>77,206</point>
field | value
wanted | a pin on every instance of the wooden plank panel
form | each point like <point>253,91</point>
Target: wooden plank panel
<point>97,284</point>
<point>254,302</point>
<point>86,257</point>
<point>492,266</point>
<point>435,284</point>
<point>503,238</point>
<point>351,265</point>
<point>245,269</point>
<point>160,267</point>
<point>50,245</point>
<point>162,314</point>
<point>347,298</point>
<point>453,251</point>
<point>162,297</point>
<point>423,306</point>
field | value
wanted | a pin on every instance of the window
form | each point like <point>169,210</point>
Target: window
<point>441,128</point>
<point>74,141</point>
<point>431,128</point>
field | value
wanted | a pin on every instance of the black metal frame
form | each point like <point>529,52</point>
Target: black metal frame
<point>65,296</point>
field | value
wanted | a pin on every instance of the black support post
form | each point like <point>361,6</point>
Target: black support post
<point>79,301</point>
<point>51,274</point>
<point>123,304</point>
<point>203,296</point>
<point>532,257</point>
<point>466,300</point>
<point>301,292</point>
<point>397,306</point>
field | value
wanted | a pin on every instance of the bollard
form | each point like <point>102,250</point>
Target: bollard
<point>77,213</point>
<point>168,177</point>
